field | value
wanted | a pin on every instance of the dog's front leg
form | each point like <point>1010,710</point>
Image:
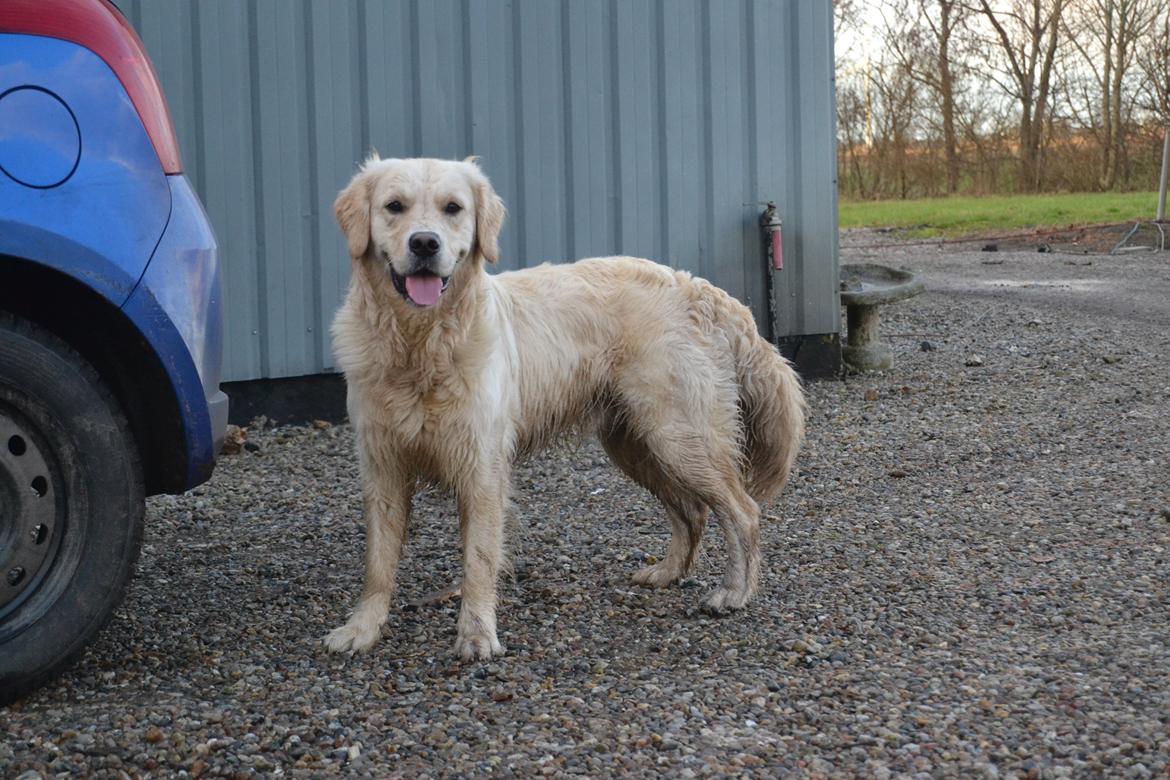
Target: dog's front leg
<point>386,493</point>
<point>481,526</point>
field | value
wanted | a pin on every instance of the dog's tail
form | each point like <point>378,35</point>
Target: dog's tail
<point>773,410</point>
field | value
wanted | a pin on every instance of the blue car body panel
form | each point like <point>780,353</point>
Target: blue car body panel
<point>43,153</point>
<point>115,205</point>
<point>83,192</point>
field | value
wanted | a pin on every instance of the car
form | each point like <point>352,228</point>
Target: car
<point>110,325</point>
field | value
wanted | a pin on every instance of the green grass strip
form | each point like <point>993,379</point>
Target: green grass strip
<point>958,216</point>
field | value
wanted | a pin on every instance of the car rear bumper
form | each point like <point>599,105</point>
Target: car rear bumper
<point>177,308</point>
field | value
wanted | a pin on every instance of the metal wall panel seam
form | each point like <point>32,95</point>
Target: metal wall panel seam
<point>259,243</point>
<point>312,147</point>
<point>753,262</point>
<point>566,38</point>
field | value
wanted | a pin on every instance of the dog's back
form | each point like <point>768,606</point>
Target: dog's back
<point>605,336</point>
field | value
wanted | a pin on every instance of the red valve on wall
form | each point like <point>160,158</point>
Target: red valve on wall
<point>772,224</point>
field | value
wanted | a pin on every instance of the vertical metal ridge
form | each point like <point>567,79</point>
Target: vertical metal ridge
<point>314,254</point>
<point>796,291</point>
<point>363,76</point>
<point>707,250</point>
<point>751,77</point>
<point>615,129</point>
<point>416,81</point>
<point>197,98</point>
<point>663,188</point>
<point>567,152</point>
<point>756,279</point>
<point>518,127</point>
<point>468,121</point>
<point>258,185</point>
<point>752,277</point>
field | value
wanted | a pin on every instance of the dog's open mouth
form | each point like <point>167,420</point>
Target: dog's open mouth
<point>422,288</point>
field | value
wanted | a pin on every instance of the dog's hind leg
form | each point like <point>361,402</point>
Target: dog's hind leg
<point>701,462</point>
<point>386,494</point>
<point>715,479</point>
<point>688,516</point>
<point>683,405</point>
<point>739,517</point>
<point>687,521</point>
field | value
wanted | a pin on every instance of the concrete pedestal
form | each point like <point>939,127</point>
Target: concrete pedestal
<point>865,288</point>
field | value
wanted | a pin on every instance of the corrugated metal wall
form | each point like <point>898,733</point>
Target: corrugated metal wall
<point>645,127</point>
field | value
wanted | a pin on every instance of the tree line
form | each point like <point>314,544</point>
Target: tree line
<point>938,97</point>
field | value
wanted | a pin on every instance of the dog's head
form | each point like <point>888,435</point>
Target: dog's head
<point>425,220</point>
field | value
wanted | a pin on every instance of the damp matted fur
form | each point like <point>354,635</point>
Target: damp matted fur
<point>667,370</point>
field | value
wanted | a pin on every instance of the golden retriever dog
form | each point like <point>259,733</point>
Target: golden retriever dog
<point>454,374</point>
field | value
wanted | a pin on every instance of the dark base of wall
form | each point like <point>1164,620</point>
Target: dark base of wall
<point>301,399</point>
<point>816,356</point>
<point>295,400</point>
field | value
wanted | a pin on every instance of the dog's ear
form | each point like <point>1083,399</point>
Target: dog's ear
<point>352,209</point>
<point>489,215</point>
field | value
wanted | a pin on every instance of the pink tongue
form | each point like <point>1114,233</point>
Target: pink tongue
<point>424,289</point>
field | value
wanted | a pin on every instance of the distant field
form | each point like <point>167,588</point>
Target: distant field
<point>962,216</point>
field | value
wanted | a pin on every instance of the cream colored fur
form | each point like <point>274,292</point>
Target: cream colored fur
<point>666,369</point>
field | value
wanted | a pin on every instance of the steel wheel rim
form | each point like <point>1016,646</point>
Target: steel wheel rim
<point>31,526</point>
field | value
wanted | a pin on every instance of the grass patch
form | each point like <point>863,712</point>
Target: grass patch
<point>960,216</point>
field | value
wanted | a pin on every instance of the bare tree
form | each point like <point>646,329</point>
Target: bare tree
<point>1027,34</point>
<point>877,115</point>
<point>1107,34</point>
<point>950,18</point>
<point>895,95</point>
<point>922,36</point>
<point>843,12</point>
<point>988,95</point>
<point>853,172</point>
<point>852,136</point>
<point>988,127</point>
<point>1154,61</point>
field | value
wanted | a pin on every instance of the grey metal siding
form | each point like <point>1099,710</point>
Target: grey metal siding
<point>647,127</point>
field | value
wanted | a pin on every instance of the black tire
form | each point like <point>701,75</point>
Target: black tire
<point>71,505</point>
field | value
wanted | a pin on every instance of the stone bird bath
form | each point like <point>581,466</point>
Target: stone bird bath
<point>864,288</point>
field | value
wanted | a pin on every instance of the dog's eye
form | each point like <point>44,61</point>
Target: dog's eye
<point>395,207</point>
<point>453,208</point>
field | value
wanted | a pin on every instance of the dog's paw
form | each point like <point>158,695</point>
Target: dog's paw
<point>478,647</point>
<point>725,599</point>
<point>355,636</point>
<point>660,575</point>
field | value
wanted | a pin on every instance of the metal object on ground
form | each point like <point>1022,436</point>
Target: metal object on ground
<point>863,289</point>
<point>772,224</point>
<point>1165,175</point>
<point>1139,236</point>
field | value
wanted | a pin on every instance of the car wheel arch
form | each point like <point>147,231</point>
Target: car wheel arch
<point>117,349</point>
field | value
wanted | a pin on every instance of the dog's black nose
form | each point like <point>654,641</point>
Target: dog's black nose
<point>424,244</point>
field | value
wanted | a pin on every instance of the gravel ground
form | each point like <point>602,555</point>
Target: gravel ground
<point>967,577</point>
